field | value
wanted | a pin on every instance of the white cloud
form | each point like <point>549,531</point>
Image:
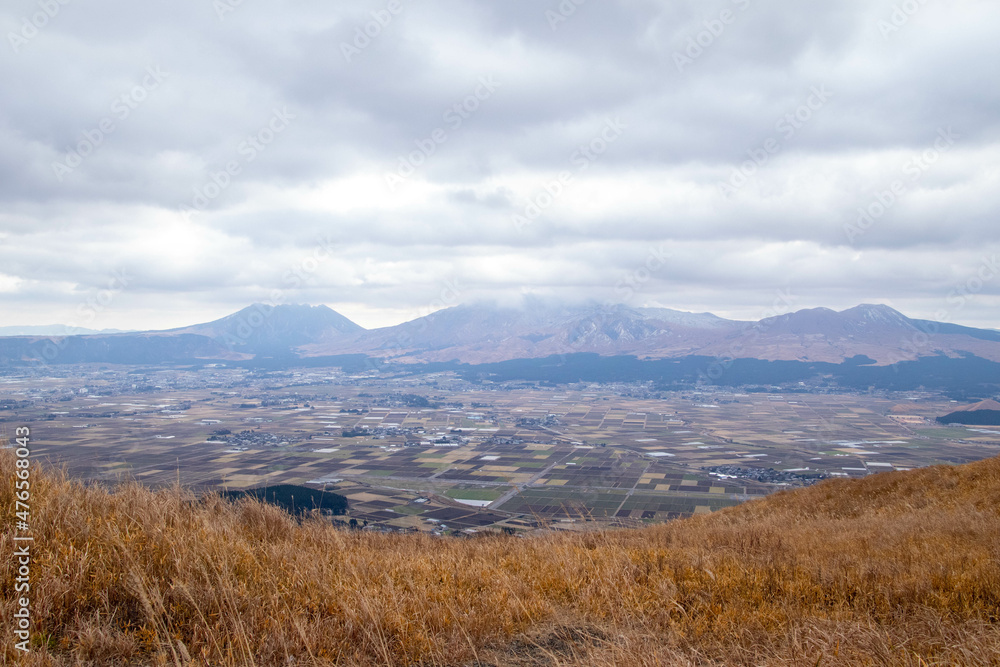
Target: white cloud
<point>322,180</point>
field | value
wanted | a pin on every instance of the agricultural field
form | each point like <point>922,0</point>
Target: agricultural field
<point>436,453</point>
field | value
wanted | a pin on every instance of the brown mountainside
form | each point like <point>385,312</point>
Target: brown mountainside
<point>482,333</point>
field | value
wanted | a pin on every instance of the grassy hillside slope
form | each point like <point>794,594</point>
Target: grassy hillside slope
<point>898,568</point>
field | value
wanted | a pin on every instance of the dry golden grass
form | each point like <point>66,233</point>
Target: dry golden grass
<point>899,568</point>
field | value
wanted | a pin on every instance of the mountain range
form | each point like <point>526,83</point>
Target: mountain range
<point>52,330</point>
<point>481,333</point>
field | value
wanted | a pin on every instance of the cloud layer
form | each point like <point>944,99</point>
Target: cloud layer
<point>174,161</point>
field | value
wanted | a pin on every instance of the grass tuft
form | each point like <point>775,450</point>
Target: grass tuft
<point>898,568</point>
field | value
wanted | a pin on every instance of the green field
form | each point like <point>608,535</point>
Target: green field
<point>476,494</point>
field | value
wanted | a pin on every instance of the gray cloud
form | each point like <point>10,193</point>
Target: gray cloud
<point>393,156</point>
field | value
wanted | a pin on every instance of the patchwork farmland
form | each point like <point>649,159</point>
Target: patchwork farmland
<point>439,454</point>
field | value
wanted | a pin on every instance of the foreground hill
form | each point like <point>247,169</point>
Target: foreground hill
<point>898,568</point>
<point>983,413</point>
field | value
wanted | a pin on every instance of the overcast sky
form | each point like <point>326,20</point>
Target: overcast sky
<point>169,162</point>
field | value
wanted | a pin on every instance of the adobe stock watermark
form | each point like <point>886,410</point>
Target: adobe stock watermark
<point>783,303</point>
<point>365,34</point>
<point>582,158</point>
<point>632,282</point>
<point>22,537</point>
<point>295,277</point>
<point>225,7</point>
<point>626,289</point>
<point>88,311</point>
<point>454,118</point>
<point>121,108</point>
<point>913,170</point>
<point>562,13</point>
<point>987,270</point>
<point>448,297</point>
<point>248,151</point>
<point>33,24</point>
<point>901,14</point>
<point>712,30</point>
<point>957,298</point>
<point>787,127</point>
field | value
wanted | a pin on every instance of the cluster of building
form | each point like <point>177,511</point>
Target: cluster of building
<point>769,475</point>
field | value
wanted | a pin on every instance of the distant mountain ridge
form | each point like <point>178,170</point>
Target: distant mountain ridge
<point>484,332</point>
<point>873,330</point>
<point>264,329</point>
<point>487,332</point>
<point>55,330</point>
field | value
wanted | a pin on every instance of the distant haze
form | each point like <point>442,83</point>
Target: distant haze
<point>51,330</point>
<point>170,162</point>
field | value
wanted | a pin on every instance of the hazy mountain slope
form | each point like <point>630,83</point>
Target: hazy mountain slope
<point>53,330</point>
<point>686,319</point>
<point>255,330</point>
<point>262,329</point>
<point>127,348</point>
<point>875,331</point>
<point>480,333</point>
<point>484,333</point>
